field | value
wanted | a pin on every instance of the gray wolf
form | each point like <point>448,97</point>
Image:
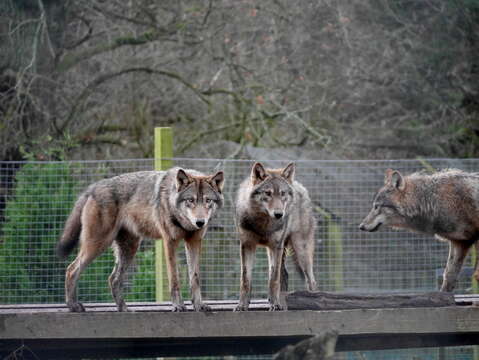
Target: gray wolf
<point>444,204</point>
<point>120,211</point>
<point>274,210</point>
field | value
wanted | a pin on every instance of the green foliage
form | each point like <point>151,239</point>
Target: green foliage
<point>30,272</point>
<point>48,148</point>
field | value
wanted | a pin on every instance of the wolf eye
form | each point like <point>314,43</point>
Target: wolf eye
<point>268,193</point>
<point>190,201</point>
<point>209,201</point>
<point>282,193</point>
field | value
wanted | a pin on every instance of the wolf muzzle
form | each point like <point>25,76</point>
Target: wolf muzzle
<point>363,227</point>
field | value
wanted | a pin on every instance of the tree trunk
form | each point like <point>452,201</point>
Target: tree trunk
<point>319,347</point>
<point>305,300</point>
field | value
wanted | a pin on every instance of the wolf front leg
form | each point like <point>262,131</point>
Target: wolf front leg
<point>275,255</point>
<point>247,253</point>
<point>170,246</point>
<point>457,254</point>
<point>193,250</point>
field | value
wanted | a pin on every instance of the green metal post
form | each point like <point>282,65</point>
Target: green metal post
<point>163,156</point>
<point>335,239</point>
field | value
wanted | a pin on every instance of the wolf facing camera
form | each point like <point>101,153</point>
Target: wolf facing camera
<point>120,211</point>
<point>444,204</point>
<point>274,210</point>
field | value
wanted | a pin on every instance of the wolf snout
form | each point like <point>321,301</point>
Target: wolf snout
<point>200,223</point>
<point>369,227</point>
<point>278,214</point>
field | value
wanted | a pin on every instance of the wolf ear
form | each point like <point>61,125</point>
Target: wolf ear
<point>182,180</point>
<point>395,179</point>
<point>218,181</point>
<point>258,173</point>
<point>288,173</point>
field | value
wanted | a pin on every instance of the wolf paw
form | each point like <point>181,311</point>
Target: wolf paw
<point>76,307</point>
<point>179,308</point>
<point>275,307</point>
<point>123,308</point>
<point>202,307</point>
<point>241,307</point>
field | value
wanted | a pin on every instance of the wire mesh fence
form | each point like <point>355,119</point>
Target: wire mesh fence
<point>36,198</point>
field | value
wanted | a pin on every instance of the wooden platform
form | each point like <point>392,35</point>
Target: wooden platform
<point>51,332</point>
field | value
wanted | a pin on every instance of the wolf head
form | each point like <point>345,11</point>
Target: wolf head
<point>387,204</point>
<point>272,191</point>
<point>198,197</point>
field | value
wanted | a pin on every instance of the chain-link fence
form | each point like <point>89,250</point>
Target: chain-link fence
<point>36,198</point>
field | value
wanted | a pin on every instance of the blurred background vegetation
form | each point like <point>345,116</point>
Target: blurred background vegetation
<point>321,79</point>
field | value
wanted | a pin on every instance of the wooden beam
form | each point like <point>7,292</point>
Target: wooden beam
<point>51,332</point>
<point>237,324</point>
<point>320,300</point>
<point>228,332</point>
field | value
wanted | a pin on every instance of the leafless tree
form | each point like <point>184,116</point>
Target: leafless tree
<point>344,78</point>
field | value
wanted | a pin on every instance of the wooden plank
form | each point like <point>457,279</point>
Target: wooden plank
<point>216,305</point>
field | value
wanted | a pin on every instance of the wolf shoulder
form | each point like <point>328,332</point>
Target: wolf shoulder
<point>301,194</point>
<point>301,205</point>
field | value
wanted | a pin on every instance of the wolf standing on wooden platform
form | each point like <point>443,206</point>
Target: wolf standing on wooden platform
<point>444,204</point>
<point>274,211</point>
<point>120,211</point>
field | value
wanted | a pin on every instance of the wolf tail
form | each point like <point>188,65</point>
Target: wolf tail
<point>71,232</point>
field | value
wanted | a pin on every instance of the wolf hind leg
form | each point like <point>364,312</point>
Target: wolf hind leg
<point>95,237</point>
<point>303,255</point>
<point>85,256</point>
<point>457,254</point>
<point>72,275</point>
<point>125,246</point>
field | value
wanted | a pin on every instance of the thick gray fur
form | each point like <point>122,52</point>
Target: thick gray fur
<point>444,204</point>
<point>274,210</point>
<point>121,211</point>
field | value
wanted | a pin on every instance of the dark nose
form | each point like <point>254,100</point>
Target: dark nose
<point>362,227</point>
<point>200,223</point>
<point>278,214</point>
